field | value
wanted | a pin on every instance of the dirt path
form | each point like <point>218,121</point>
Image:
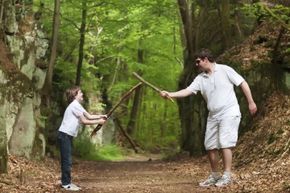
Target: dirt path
<point>145,176</point>
<point>141,174</point>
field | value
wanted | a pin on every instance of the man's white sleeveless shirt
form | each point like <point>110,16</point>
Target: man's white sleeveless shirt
<point>218,91</point>
<point>71,122</point>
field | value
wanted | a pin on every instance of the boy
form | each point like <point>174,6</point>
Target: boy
<point>74,115</point>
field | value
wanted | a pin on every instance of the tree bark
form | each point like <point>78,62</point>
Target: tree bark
<point>137,97</point>
<point>277,60</point>
<point>1,12</point>
<point>186,17</point>
<point>82,42</point>
<point>47,87</point>
<point>191,115</point>
<point>3,140</point>
<point>223,7</point>
<point>134,111</point>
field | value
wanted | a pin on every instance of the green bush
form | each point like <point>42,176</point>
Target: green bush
<point>85,149</point>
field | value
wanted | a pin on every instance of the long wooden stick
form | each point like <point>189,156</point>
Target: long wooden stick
<point>124,97</point>
<point>149,84</point>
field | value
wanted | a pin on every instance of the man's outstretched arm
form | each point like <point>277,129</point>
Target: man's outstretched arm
<point>178,94</point>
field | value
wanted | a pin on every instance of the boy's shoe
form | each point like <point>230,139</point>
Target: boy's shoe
<point>210,181</point>
<point>223,181</point>
<point>71,187</point>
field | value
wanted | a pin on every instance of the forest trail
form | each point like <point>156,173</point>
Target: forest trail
<point>261,165</point>
<point>140,174</point>
<point>182,175</point>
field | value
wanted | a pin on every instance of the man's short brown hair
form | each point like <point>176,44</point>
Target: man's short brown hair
<point>205,53</point>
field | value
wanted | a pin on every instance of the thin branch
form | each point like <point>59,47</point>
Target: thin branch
<point>149,84</point>
<point>115,73</point>
<point>70,21</point>
<point>124,97</point>
<point>102,59</point>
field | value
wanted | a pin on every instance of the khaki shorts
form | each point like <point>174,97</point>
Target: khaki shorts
<point>221,133</point>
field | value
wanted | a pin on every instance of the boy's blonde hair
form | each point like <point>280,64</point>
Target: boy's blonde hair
<point>71,93</point>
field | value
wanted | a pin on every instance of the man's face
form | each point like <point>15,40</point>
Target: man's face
<point>201,63</point>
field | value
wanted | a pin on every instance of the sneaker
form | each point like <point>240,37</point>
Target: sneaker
<point>223,181</point>
<point>210,181</point>
<point>71,187</point>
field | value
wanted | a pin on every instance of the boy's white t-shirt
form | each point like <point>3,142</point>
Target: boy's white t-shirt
<point>71,121</point>
<point>218,90</point>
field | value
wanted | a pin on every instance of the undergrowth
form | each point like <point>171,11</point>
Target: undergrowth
<point>85,149</point>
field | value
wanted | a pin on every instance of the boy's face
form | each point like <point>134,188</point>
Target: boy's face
<point>79,96</point>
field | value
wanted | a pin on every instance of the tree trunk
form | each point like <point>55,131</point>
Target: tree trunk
<point>163,124</point>
<point>47,87</point>
<point>223,7</point>
<point>134,111</point>
<point>188,36</point>
<point>190,111</point>
<point>201,26</point>
<point>277,60</point>
<point>82,42</point>
<point>1,13</point>
<point>3,140</point>
<point>137,97</point>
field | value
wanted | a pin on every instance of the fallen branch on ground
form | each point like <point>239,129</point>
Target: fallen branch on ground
<point>125,134</point>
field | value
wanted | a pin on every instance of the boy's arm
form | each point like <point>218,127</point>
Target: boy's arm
<point>247,92</point>
<point>93,117</point>
<point>84,120</point>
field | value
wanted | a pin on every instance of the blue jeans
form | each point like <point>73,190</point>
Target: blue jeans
<point>65,144</point>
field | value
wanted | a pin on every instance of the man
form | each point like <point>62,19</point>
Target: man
<point>216,84</point>
<point>74,116</point>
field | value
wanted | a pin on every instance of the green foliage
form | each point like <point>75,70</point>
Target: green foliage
<point>158,126</point>
<point>141,36</point>
<point>85,149</point>
<point>117,31</point>
<point>277,13</point>
<point>153,29</point>
<point>117,90</point>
